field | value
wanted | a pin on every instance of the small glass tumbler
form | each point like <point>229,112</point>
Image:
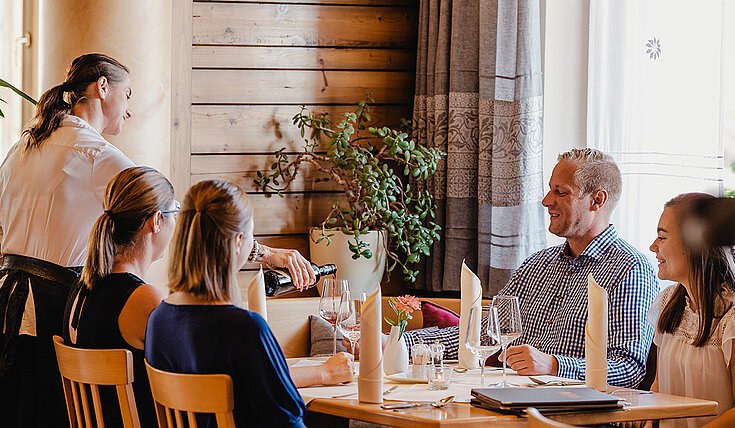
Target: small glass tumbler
<point>440,377</point>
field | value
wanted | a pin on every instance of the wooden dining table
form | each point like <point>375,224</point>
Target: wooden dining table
<point>637,406</point>
<point>335,405</point>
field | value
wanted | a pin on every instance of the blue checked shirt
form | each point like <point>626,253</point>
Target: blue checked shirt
<point>552,292</point>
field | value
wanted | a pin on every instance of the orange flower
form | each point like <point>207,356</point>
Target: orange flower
<point>402,306</point>
<point>408,303</point>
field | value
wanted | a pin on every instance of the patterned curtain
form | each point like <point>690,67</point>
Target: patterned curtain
<point>479,98</point>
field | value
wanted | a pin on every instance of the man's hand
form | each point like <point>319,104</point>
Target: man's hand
<point>338,369</point>
<point>302,274</point>
<point>527,360</point>
<point>356,353</point>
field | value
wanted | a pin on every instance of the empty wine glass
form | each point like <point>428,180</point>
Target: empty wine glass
<point>329,304</point>
<point>509,319</point>
<point>483,337</point>
<point>349,317</point>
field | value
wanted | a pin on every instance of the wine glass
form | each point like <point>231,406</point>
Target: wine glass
<point>349,317</point>
<point>509,319</point>
<point>483,337</point>
<point>329,304</point>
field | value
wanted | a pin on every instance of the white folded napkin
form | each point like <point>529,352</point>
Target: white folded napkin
<point>595,338</point>
<point>470,296</point>
<point>256,295</point>
<point>370,378</point>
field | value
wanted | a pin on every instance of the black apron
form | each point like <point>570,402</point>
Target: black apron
<point>31,394</point>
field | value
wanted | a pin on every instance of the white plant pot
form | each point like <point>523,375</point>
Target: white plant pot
<point>395,354</point>
<point>363,274</point>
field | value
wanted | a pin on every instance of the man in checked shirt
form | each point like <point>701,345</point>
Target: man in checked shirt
<point>551,285</point>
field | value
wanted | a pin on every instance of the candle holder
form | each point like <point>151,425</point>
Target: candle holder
<point>440,376</point>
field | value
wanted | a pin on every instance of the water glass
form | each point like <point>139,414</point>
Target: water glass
<point>509,318</point>
<point>483,336</point>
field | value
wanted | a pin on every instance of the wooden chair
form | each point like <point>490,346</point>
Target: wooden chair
<point>537,420</point>
<point>83,369</point>
<point>190,394</point>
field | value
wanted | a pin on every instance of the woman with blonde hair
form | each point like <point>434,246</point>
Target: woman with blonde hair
<point>52,183</point>
<point>109,306</point>
<point>694,319</point>
<point>197,329</point>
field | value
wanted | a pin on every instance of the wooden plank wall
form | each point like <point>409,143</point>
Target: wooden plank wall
<point>253,63</point>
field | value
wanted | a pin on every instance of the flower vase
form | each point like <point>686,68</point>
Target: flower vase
<point>395,354</point>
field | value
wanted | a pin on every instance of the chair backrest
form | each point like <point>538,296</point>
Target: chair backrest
<point>177,394</point>
<point>537,420</point>
<point>651,364</point>
<point>87,369</point>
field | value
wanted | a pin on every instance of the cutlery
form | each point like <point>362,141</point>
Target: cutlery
<point>539,382</point>
<point>407,405</point>
<point>387,391</point>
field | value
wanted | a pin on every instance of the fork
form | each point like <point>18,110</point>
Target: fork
<point>539,382</point>
<point>386,392</point>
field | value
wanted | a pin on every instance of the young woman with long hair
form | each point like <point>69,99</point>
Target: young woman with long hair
<point>694,318</point>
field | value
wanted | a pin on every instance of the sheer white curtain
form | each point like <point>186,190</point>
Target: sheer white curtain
<point>655,104</point>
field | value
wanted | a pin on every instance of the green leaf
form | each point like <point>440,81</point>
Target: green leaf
<point>28,98</point>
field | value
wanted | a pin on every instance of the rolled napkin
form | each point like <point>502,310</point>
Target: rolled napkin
<point>256,295</point>
<point>370,378</point>
<point>595,338</point>
<point>470,296</point>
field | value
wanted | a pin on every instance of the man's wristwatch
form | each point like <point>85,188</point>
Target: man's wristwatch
<point>256,253</point>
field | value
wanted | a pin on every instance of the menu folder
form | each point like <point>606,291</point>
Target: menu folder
<point>546,400</point>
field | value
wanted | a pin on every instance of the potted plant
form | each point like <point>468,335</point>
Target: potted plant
<point>373,165</point>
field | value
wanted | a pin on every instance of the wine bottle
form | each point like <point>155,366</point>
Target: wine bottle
<point>278,281</point>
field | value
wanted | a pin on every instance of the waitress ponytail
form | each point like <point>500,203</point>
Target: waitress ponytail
<point>54,105</point>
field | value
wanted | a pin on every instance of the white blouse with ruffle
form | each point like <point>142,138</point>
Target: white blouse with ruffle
<point>696,372</point>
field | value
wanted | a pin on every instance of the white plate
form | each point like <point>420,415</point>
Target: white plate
<point>403,378</point>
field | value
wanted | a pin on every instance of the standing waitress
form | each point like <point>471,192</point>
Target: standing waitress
<point>52,184</point>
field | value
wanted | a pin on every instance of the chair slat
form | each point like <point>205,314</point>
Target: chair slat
<point>97,405</point>
<point>66,383</point>
<point>169,421</point>
<point>77,408</point>
<point>160,415</point>
<point>192,419</point>
<point>85,404</point>
<point>179,419</point>
<point>128,408</point>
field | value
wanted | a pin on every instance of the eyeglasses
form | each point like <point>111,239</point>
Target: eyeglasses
<point>177,208</point>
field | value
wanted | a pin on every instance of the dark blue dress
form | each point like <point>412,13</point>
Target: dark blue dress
<point>209,339</point>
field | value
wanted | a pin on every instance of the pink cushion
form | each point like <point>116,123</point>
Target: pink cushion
<point>438,316</point>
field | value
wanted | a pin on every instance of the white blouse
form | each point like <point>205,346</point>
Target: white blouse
<point>51,197</point>
<point>697,372</point>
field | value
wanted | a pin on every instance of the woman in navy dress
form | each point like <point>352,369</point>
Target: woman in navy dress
<point>197,329</point>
